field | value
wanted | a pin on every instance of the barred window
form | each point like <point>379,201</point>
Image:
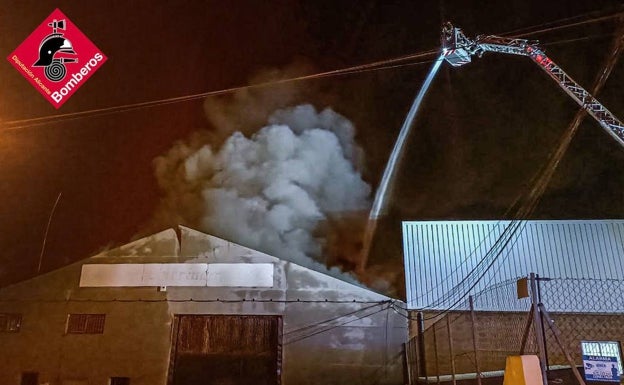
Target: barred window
<point>119,381</point>
<point>10,322</point>
<point>85,323</point>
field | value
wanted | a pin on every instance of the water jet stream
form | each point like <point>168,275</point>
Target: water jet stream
<point>382,193</point>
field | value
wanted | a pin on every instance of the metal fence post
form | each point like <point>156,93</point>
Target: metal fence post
<point>435,352</point>
<point>450,341</point>
<point>557,335</point>
<point>474,339</point>
<point>527,330</point>
<point>537,324</point>
<point>422,355</point>
<point>539,300</point>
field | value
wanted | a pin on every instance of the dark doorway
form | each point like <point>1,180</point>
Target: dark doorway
<point>226,349</point>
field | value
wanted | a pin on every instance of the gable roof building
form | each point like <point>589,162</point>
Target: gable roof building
<point>197,309</point>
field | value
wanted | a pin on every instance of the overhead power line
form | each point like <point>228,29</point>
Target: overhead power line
<point>567,25</point>
<point>526,203</point>
<point>395,62</point>
<point>24,123</point>
<point>337,325</point>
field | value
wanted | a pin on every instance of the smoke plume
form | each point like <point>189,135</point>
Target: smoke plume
<point>268,190</point>
<point>248,109</point>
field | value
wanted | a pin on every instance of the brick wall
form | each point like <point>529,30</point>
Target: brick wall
<point>499,334</point>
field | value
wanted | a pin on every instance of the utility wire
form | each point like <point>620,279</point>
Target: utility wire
<point>45,236</point>
<point>464,261</point>
<point>529,201</point>
<point>329,321</point>
<point>336,326</point>
<point>514,228</point>
<point>23,123</point>
<point>213,300</point>
<point>382,64</point>
<point>312,333</point>
<point>468,282</point>
<point>570,25</point>
<point>556,24</point>
<point>355,69</point>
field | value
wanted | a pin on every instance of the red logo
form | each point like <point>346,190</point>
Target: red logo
<point>57,58</point>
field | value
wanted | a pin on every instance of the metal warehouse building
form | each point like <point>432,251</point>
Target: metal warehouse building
<point>462,290</point>
<point>447,259</point>
<point>186,308</point>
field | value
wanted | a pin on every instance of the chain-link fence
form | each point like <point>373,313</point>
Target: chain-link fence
<point>582,310</point>
<point>474,340</point>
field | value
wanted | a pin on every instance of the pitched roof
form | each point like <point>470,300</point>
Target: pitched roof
<point>192,247</point>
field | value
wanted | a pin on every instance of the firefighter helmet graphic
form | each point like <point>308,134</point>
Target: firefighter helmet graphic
<point>51,52</point>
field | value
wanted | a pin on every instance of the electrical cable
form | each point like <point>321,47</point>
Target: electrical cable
<point>513,231</point>
<point>530,200</point>
<point>525,31</point>
<point>45,236</point>
<point>214,300</point>
<point>459,265</point>
<point>382,64</point>
<point>465,285</point>
<point>325,322</point>
<point>550,29</point>
<point>493,253</point>
<point>30,122</point>
<point>336,326</point>
<point>326,329</point>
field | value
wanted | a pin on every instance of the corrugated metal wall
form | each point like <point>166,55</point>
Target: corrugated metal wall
<point>443,256</point>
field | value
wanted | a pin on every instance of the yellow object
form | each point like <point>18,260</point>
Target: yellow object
<point>523,370</point>
<point>522,287</point>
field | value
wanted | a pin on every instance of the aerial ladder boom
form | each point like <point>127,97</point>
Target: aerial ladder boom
<point>458,50</point>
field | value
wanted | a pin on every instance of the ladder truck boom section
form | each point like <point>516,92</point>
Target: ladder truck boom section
<point>458,50</point>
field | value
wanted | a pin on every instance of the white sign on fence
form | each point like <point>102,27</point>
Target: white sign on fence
<point>602,360</point>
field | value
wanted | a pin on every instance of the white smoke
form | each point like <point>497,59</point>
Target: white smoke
<point>247,109</point>
<point>268,191</point>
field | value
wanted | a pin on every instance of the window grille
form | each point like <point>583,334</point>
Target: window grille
<point>85,323</point>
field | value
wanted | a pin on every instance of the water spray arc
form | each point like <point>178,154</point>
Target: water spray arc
<point>458,50</point>
<point>387,179</point>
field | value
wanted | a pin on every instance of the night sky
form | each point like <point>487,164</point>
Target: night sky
<point>482,133</point>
